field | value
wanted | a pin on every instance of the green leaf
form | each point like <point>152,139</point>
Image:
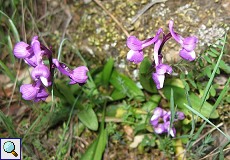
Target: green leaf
<point>88,118</point>
<point>208,71</point>
<point>107,71</point>
<point>126,86</point>
<point>117,95</point>
<point>96,149</point>
<point>180,99</point>
<point>214,51</point>
<point>152,103</point>
<point>145,76</point>
<point>225,67</point>
<point>211,54</point>
<point>207,59</point>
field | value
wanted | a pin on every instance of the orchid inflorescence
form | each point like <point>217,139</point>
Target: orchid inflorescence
<point>136,54</point>
<point>161,121</point>
<point>33,55</point>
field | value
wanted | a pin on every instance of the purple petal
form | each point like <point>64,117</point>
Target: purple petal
<point>79,75</point>
<point>41,72</point>
<point>42,95</point>
<point>189,43</point>
<point>28,91</point>
<point>159,129</point>
<point>134,43</point>
<point>171,131</point>
<point>176,36</point>
<point>163,68</point>
<point>37,49</point>
<point>36,45</point>
<point>152,40</point>
<point>189,56</point>
<point>167,117</point>
<point>135,56</point>
<point>22,50</point>
<point>154,122</point>
<point>180,116</point>
<point>62,67</point>
<point>157,59</point>
<point>158,80</point>
<point>157,113</point>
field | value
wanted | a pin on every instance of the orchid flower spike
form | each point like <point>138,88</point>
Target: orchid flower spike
<point>78,75</point>
<point>188,44</point>
<point>32,54</point>
<point>160,121</point>
<point>136,46</point>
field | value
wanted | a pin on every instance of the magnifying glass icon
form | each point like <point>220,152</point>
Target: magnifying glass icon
<point>9,147</point>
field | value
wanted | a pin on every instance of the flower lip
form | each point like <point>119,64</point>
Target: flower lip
<point>187,55</point>
<point>28,91</point>
<point>160,128</point>
<point>135,56</point>
<point>40,71</point>
<point>79,75</point>
<point>42,95</point>
<point>158,80</point>
<point>22,50</point>
<point>189,43</point>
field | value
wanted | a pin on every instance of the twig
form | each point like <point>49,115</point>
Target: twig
<point>145,8</point>
<point>115,19</point>
<point>209,155</point>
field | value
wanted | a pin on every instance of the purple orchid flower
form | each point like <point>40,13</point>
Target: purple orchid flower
<point>136,46</point>
<point>41,72</point>
<point>160,121</point>
<point>188,44</point>
<point>34,92</point>
<point>161,68</point>
<point>78,75</point>
<point>41,95</point>
<point>157,114</point>
<point>32,54</point>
